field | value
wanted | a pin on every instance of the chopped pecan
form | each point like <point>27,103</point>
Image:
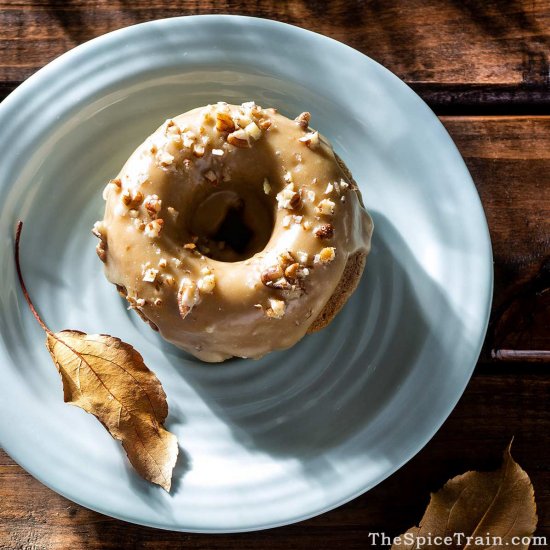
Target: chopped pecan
<point>291,272</point>
<point>325,207</point>
<point>325,231</point>
<point>286,258</point>
<point>264,123</point>
<point>224,122</point>
<point>277,309</point>
<point>153,229</point>
<point>238,139</point>
<point>311,140</point>
<point>326,255</point>
<point>188,296</point>
<point>101,250</point>
<point>153,205</point>
<point>271,274</point>
<point>303,120</point>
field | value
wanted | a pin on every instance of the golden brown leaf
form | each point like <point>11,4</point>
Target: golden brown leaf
<point>481,506</point>
<point>108,378</point>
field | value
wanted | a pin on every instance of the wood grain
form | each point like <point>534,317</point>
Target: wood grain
<point>509,159</point>
<point>464,57</point>
<point>510,162</point>
<point>459,55</point>
<point>34,517</point>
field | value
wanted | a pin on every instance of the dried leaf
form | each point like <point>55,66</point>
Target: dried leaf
<point>480,506</point>
<point>108,378</point>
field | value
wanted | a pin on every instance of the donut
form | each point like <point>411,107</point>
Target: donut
<point>234,231</point>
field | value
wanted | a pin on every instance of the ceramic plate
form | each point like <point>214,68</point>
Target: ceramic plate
<point>263,443</point>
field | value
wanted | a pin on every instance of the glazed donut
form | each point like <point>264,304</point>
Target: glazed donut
<point>234,231</point>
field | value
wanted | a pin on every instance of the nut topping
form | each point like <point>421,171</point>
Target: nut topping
<point>239,139</point>
<point>198,150</point>
<point>271,274</point>
<point>303,257</point>
<point>343,184</point>
<point>224,122</point>
<point>325,207</point>
<point>326,256</point>
<point>153,229</point>
<point>253,131</point>
<point>131,199</point>
<point>188,139</point>
<point>286,258</point>
<point>153,205</point>
<point>264,123</point>
<point>310,140</point>
<point>276,309</point>
<point>286,274</point>
<point>325,231</point>
<point>188,296</point>
<point>113,185</point>
<point>150,275</point>
<point>165,158</point>
<point>291,272</point>
<point>98,230</point>
<point>207,283</point>
<point>288,198</point>
<point>303,120</point>
<point>101,250</point>
<point>295,201</point>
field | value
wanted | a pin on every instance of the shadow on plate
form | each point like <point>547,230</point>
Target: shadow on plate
<point>305,401</point>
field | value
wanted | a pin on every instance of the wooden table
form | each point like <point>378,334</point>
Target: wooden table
<point>483,66</point>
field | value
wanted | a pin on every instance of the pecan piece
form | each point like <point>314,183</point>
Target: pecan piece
<point>238,138</point>
<point>224,122</point>
<point>272,274</point>
<point>101,250</point>
<point>325,231</point>
<point>291,272</point>
<point>303,120</point>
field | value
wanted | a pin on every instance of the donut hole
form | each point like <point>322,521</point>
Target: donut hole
<point>233,231</point>
<point>231,225</point>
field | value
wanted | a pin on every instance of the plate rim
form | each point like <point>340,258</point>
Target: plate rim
<point>44,71</point>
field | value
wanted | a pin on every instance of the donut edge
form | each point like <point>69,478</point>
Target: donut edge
<point>350,277</point>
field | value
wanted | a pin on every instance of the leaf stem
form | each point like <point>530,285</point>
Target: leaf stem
<point>22,282</point>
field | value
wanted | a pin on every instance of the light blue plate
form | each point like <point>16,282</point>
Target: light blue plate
<point>300,432</point>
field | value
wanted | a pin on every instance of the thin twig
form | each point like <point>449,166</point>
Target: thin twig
<point>527,356</point>
<point>22,282</point>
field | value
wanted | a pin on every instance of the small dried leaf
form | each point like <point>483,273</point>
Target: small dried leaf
<point>108,378</point>
<point>480,506</point>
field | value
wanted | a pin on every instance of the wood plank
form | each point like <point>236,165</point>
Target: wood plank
<point>457,55</point>
<point>509,159</point>
<point>515,405</point>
